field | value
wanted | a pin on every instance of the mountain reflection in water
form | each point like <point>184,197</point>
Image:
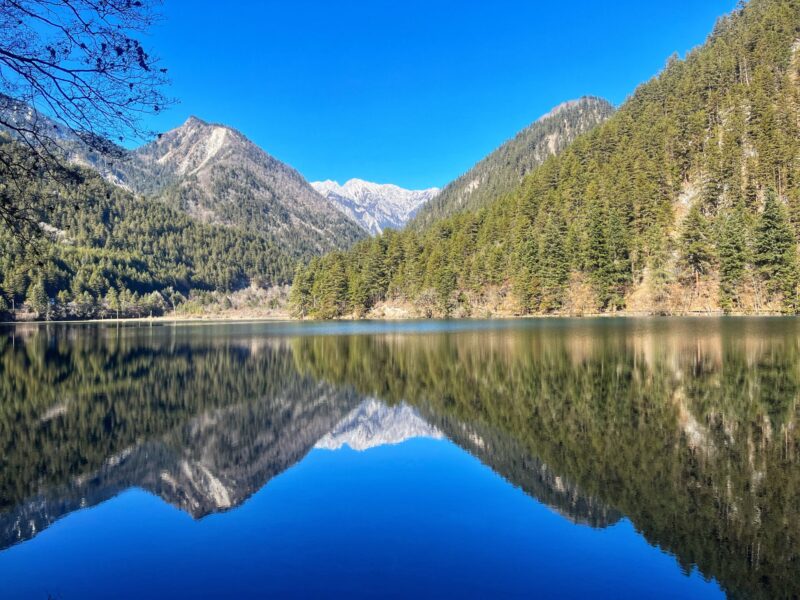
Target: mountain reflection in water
<point>685,427</point>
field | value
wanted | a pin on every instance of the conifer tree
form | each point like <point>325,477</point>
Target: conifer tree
<point>112,300</point>
<point>37,299</point>
<point>300,295</point>
<point>618,269</point>
<point>526,266</point>
<point>696,249</point>
<point>732,250</point>
<point>554,266</point>
<point>597,260</point>
<point>331,288</point>
<point>775,251</point>
<point>660,276</point>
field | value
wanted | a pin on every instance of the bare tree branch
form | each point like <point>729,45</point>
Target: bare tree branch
<point>71,72</point>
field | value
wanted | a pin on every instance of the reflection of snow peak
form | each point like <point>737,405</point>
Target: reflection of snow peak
<point>373,424</point>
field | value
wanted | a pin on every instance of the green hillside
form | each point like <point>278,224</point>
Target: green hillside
<point>106,252</point>
<point>687,199</point>
<point>501,171</point>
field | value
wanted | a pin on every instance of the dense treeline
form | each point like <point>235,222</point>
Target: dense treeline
<point>105,252</point>
<point>686,199</point>
<point>689,432</point>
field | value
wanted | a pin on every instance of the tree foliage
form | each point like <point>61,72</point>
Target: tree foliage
<point>102,252</point>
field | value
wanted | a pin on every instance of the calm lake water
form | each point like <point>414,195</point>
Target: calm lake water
<point>618,458</point>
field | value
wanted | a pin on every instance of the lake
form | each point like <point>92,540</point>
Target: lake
<point>565,458</point>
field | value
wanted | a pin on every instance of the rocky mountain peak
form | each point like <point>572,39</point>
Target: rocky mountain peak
<point>375,206</point>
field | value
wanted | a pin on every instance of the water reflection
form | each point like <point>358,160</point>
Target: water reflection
<point>687,428</point>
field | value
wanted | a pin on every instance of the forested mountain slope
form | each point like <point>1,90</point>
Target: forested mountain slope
<point>687,199</point>
<point>103,251</point>
<point>201,208</point>
<point>502,170</point>
<point>214,174</point>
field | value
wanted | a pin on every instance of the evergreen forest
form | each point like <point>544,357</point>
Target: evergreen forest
<point>686,200</point>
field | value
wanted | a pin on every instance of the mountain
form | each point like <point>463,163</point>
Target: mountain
<point>502,170</point>
<point>375,206</point>
<point>211,172</point>
<point>106,252</point>
<point>686,200</point>
<point>215,174</point>
<point>373,424</point>
<point>201,209</point>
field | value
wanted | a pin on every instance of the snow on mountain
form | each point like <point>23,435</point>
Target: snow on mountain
<point>373,424</point>
<point>374,206</point>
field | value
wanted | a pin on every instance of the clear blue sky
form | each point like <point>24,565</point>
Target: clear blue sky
<point>410,92</point>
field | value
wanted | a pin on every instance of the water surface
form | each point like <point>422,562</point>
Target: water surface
<point>535,458</point>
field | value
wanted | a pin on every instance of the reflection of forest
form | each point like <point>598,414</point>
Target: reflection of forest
<point>203,423</point>
<point>687,428</point>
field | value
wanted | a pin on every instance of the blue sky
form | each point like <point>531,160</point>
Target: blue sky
<point>408,92</point>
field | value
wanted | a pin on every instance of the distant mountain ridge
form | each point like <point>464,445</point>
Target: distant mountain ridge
<point>375,206</point>
<point>500,172</point>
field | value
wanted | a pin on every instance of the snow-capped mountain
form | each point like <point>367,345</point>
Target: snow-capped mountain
<point>374,206</point>
<point>372,424</point>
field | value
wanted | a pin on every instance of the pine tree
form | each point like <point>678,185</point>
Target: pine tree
<point>696,251</point>
<point>775,252</point>
<point>331,288</point>
<point>596,258</point>
<point>37,299</point>
<point>618,269</point>
<point>732,250</point>
<point>660,276</point>
<point>526,267</point>
<point>300,297</point>
<point>374,277</point>
<point>554,267</point>
<point>112,301</point>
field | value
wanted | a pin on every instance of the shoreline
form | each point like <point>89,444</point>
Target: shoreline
<point>161,319</point>
<point>234,318</point>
